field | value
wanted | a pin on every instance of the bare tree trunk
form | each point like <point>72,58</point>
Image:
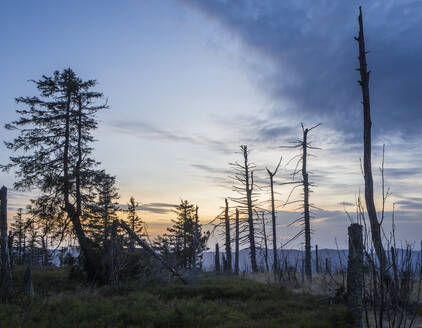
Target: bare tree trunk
<point>6,272</point>
<point>10,247</point>
<point>265,243</point>
<point>249,188</point>
<point>367,167</point>
<point>217,259</point>
<point>228,266</point>
<point>316,259</point>
<point>308,254</point>
<point>236,242</point>
<point>275,264</point>
<point>355,274</point>
<point>273,217</point>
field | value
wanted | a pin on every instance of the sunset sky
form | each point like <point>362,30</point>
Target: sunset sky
<point>189,81</point>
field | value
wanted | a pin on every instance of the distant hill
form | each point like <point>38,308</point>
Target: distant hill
<point>337,259</point>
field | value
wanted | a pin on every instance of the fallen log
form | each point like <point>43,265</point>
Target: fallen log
<point>151,251</point>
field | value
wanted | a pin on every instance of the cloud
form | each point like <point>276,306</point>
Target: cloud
<point>211,169</point>
<point>346,204</point>
<point>302,54</point>
<point>144,130</point>
<point>157,208</point>
<point>400,173</point>
<point>411,203</point>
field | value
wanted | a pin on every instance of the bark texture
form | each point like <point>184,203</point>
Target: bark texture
<point>355,274</point>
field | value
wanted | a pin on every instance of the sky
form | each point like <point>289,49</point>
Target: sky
<point>189,81</point>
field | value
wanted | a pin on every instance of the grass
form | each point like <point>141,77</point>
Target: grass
<point>209,302</point>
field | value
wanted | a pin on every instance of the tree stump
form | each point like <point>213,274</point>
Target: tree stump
<point>355,274</point>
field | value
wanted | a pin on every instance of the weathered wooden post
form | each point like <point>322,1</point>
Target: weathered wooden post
<point>355,274</point>
<point>6,273</point>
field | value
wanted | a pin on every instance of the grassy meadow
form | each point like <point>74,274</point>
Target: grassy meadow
<point>210,301</point>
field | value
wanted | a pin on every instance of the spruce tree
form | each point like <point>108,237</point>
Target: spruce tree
<point>179,241</point>
<point>135,222</point>
<point>54,148</point>
<point>18,232</point>
<point>100,213</point>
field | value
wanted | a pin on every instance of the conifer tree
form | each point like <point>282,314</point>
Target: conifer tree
<point>55,136</point>
<point>135,221</point>
<point>18,232</point>
<point>179,241</point>
<point>100,213</point>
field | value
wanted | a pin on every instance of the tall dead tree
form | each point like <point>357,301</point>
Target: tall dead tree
<point>305,220</point>
<point>236,243</point>
<point>6,272</point>
<point>228,266</point>
<point>244,177</point>
<point>308,256</point>
<point>367,166</point>
<point>273,216</point>
<point>306,205</point>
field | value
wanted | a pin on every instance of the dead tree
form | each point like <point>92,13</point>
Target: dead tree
<point>304,145</point>
<point>236,243</point>
<point>327,266</point>
<point>245,187</point>
<point>306,213</point>
<point>6,272</point>
<point>316,259</point>
<point>273,216</point>
<point>355,274</point>
<point>217,259</point>
<point>367,166</point>
<point>265,239</point>
<point>228,266</point>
